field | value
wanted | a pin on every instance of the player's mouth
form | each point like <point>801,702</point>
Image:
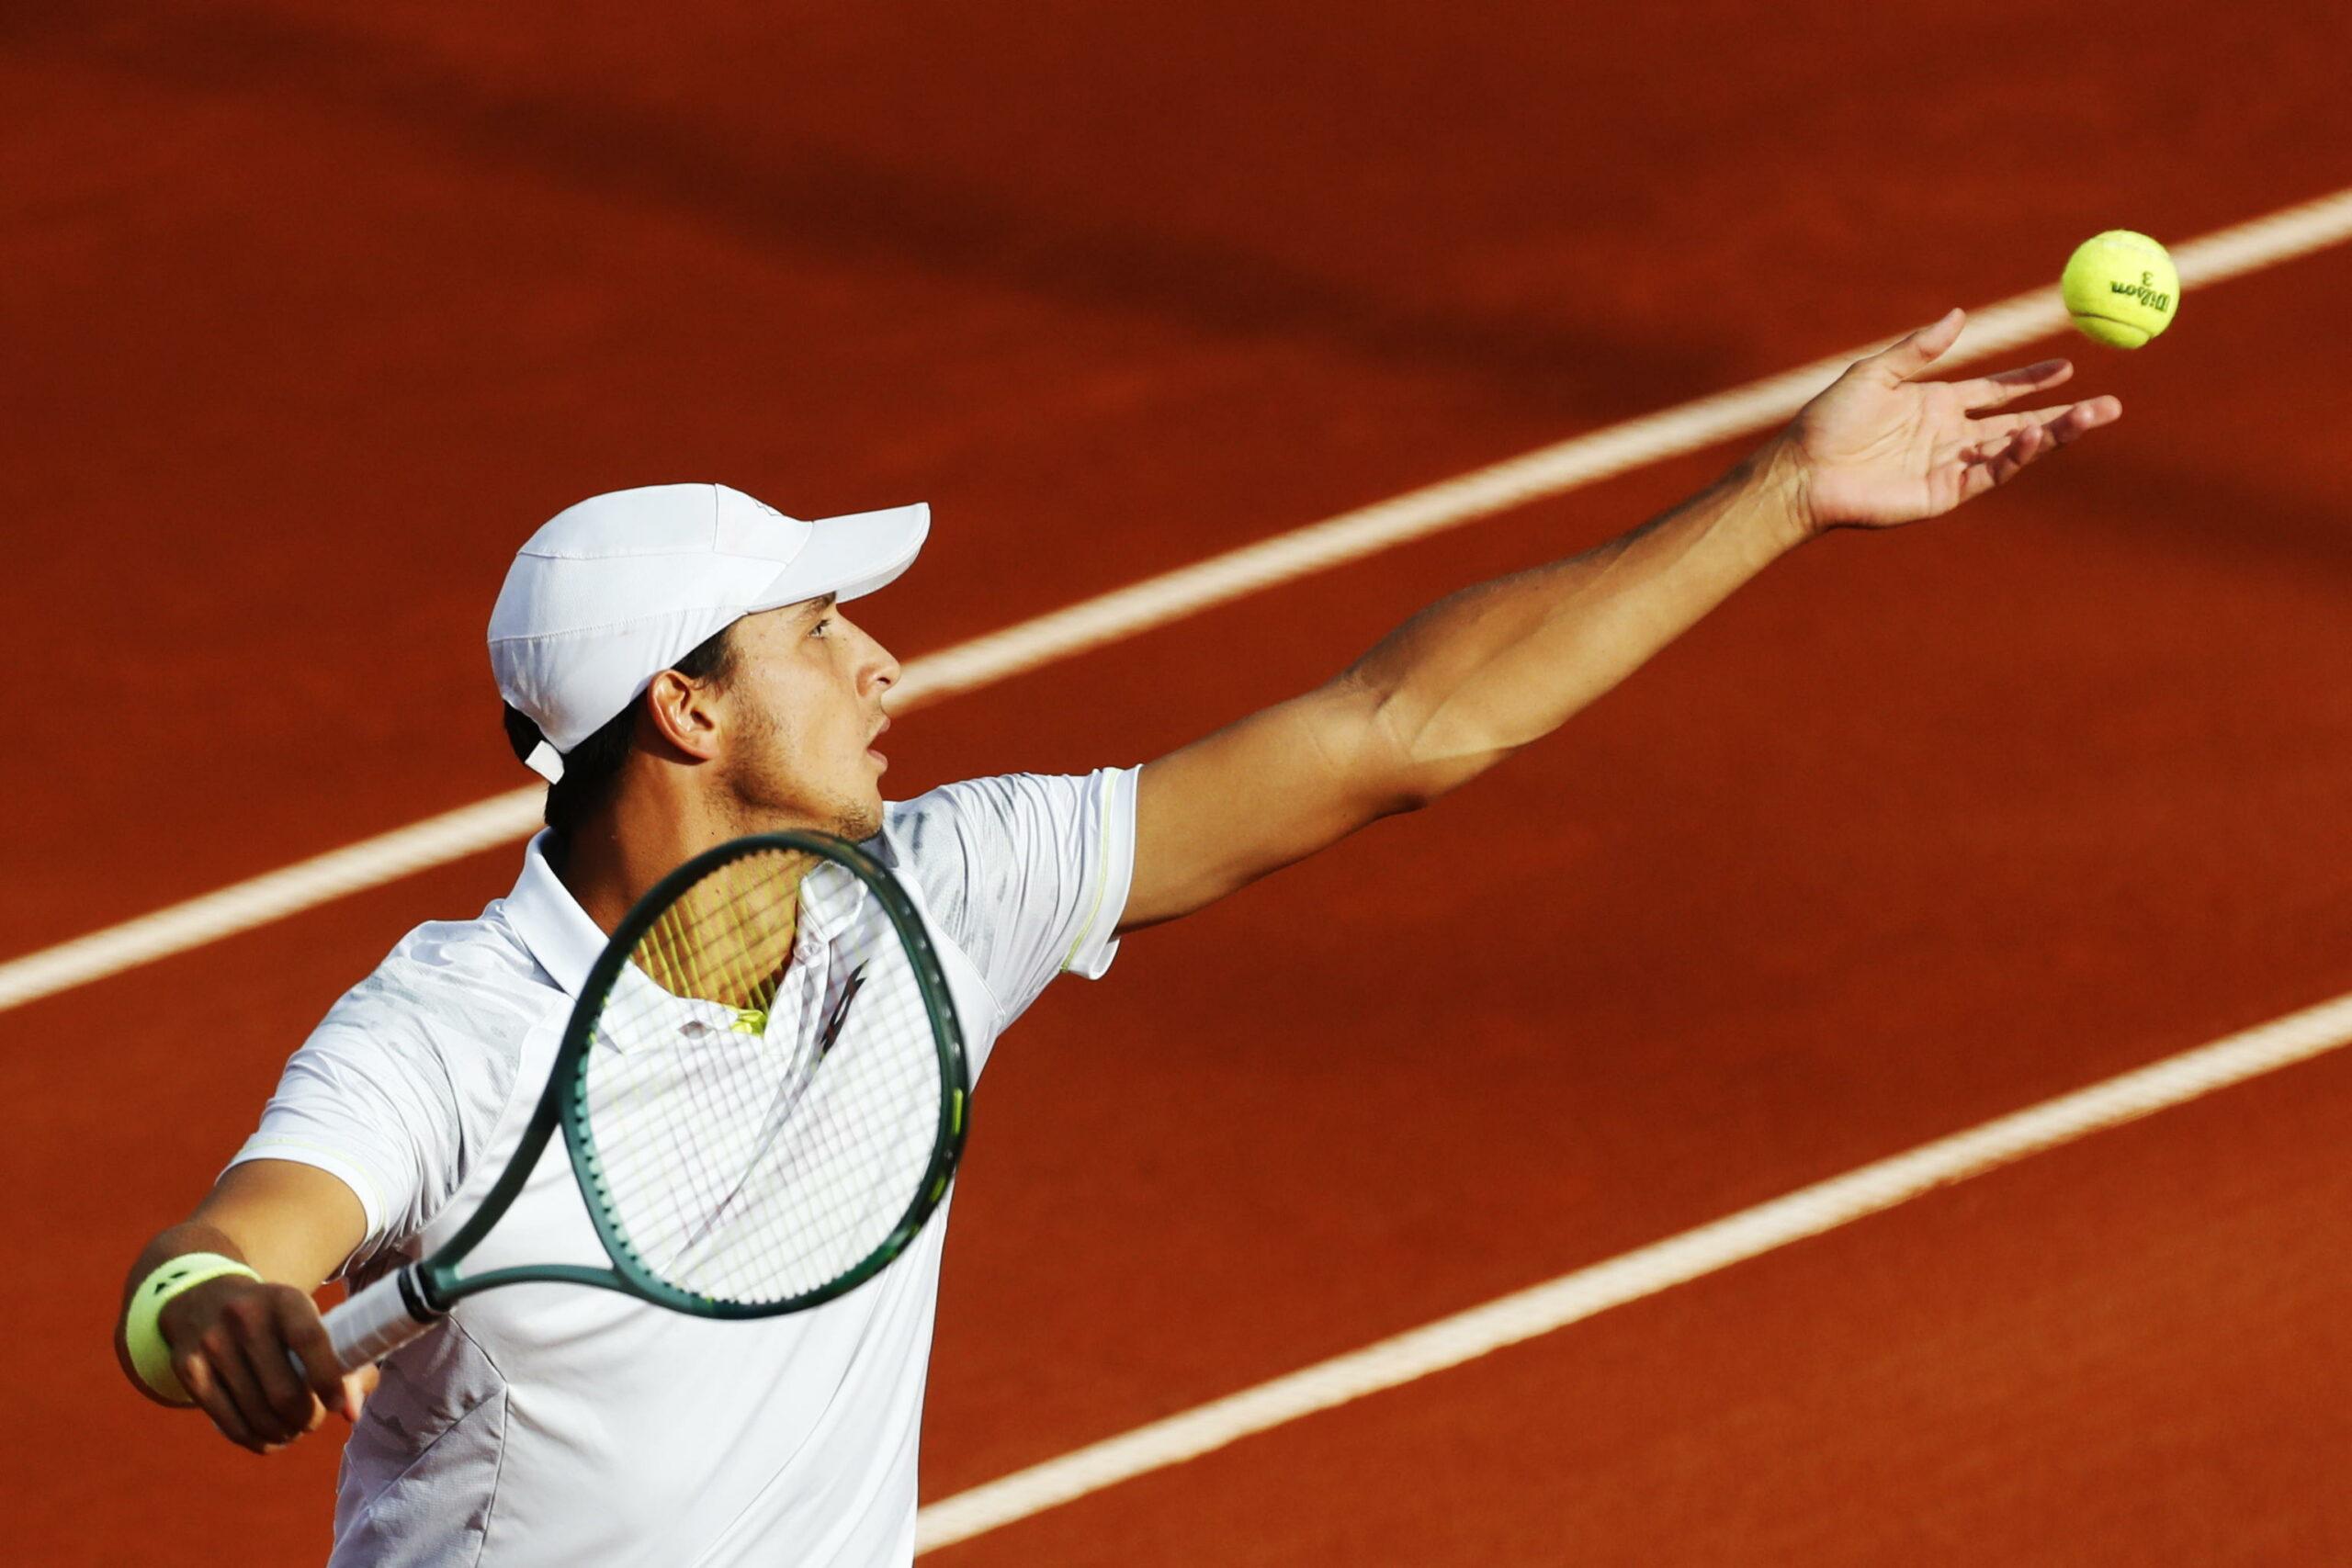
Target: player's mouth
<point>875,751</point>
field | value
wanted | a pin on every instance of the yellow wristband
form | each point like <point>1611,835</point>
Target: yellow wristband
<point>149,1357</point>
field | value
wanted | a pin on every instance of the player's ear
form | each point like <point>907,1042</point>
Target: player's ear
<point>685,713</point>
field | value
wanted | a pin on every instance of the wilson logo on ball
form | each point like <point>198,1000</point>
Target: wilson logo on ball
<point>2144,291</point>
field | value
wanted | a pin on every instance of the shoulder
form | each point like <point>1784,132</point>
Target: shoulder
<point>955,815</point>
<point>1026,872</point>
<point>931,840</point>
<point>455,996</point>
<point>961,838</point>
<point>405,1081</point>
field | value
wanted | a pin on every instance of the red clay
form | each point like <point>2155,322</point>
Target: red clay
<point>2114,1355</point>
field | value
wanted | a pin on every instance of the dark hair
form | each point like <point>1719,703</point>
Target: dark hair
<point>592,770</point>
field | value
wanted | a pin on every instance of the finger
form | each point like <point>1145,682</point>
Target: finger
<point>356,1387</point>
<point>254,1424</point>
<point>2063,422</point>
<point>275,1420</point>
<point>304,1333</point>
<point>1975,478</point>
<point>291,1409</point>
<point>1909,356</point>
<point>2002,465</point>
<point>2085,416</point>
<point>196,1376</point>
<point>2006,386</point>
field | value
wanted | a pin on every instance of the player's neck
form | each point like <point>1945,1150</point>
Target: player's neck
<point>612,860</point>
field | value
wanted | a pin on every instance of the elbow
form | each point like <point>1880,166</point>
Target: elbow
<point>1423,756</point>
<point>1422,786</point>
<point>1408,800</point>
<point>1393,798</point>
<point>1371,756</point>
<point>1408,787</point>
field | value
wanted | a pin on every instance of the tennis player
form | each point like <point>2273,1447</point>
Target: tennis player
<point>676,661</point>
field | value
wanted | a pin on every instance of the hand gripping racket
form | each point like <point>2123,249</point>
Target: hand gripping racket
<point>761,1087</point>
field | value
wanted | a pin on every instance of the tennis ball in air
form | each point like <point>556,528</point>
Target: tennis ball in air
<point>2120,288</point>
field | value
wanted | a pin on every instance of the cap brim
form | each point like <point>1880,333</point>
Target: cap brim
<point>851,555</point>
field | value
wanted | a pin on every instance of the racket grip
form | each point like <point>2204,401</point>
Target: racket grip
<point>380,1319</point>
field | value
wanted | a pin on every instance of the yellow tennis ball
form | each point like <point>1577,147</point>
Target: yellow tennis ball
<point>2120,288</point>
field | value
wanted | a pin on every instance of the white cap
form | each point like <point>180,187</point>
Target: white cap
<point>617,589</point>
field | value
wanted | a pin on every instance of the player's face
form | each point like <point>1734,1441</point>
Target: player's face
<point>804,706</point>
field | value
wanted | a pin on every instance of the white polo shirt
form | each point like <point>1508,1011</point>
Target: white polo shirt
<point>558,1425</point>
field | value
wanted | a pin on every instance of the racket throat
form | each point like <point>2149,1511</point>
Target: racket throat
<point>418,1296</point>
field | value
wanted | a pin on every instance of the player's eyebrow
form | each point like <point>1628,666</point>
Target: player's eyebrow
<point>816,607</point>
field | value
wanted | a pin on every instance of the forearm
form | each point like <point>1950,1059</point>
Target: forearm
<point>192,1236</point>
<point>289,1223</point>
<point>297,1247</point>
<point>227,1336</point>
<point>1485,670</point>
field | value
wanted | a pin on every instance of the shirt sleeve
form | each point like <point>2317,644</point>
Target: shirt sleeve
<point>1027,873</point>
<point>376,1098</point>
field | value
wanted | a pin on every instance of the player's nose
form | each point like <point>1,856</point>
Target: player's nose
<point>878,668</point>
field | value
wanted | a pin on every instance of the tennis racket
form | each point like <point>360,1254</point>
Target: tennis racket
<point>762,1087</point>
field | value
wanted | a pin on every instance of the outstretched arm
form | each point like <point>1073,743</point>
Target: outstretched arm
<point>1477,675</point>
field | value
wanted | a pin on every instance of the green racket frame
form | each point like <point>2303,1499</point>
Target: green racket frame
<point>422,1293</point>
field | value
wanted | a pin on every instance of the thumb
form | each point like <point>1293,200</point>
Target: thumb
<point>1910,356</point>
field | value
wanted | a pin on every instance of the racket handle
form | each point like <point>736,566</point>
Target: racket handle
<point>380,1319</point>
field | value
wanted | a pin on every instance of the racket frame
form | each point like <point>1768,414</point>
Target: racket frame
<point>437,1284</point>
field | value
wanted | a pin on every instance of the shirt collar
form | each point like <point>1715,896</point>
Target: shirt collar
<point>832,901</point>
<point>566,941</point>
<point>550,920</point>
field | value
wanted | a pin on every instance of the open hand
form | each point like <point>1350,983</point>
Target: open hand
<point>1881,447</point>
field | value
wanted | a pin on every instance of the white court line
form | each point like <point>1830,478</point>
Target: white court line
<point>1571,1298</point>
<point>1547,471</point>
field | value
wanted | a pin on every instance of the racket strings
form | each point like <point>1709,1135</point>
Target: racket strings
<point>693,952</point>
<point>756,1166</point>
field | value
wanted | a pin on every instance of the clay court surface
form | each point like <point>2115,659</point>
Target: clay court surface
<point>314,311</point>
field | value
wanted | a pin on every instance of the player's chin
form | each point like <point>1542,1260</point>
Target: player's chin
<point>860,819</point>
